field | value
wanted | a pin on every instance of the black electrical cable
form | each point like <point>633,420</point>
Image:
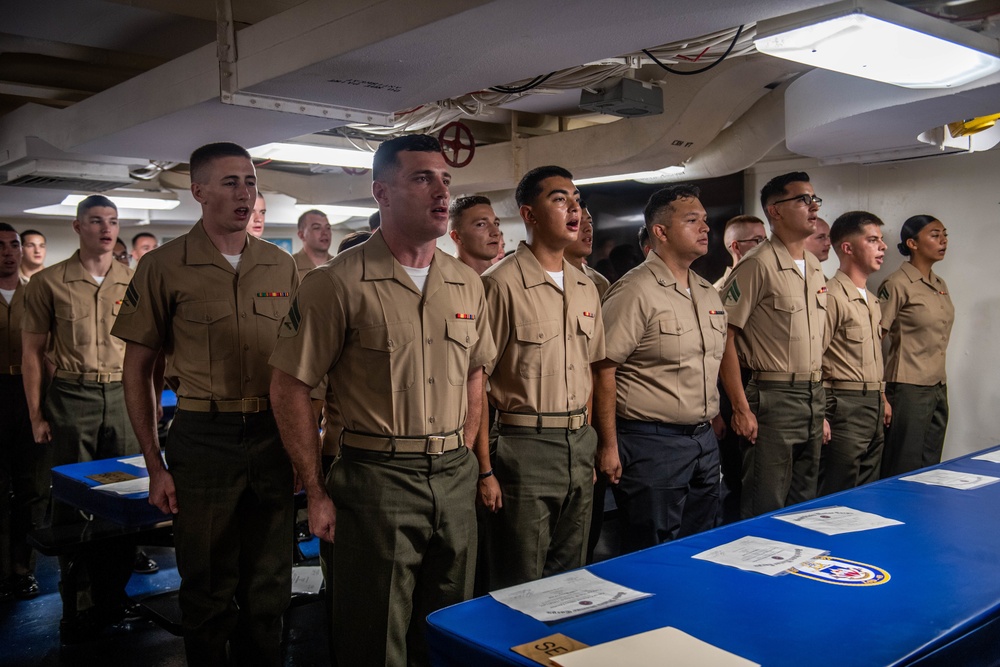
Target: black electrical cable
<point>739,31</point>
<point>534,83</point>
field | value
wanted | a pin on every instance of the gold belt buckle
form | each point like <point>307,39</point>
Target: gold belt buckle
<point>435,445</point>
<point>250,405</point>
<point>104,377</point>
<point>576,421</point>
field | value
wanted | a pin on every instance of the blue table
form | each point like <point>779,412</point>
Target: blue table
<point>941,604</point>
<point>73,485</point>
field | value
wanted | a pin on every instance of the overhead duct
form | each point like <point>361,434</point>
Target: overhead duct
<point>68,175</point>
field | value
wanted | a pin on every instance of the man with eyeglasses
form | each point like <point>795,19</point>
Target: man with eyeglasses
<point>776,303</point>
<point>741,235</point>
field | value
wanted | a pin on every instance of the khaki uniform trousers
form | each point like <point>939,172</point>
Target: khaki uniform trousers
<point>232,534</point>
<point>405,546</point>
<point>854,453</point>
<point>546,476</point>
<point>915,437</point>
<point>782,468</point>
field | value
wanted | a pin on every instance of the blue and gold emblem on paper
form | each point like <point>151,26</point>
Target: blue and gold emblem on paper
<point>843,572</point>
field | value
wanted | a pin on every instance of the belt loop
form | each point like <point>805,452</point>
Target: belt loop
<point>392,446</point>
<point>539,423</point>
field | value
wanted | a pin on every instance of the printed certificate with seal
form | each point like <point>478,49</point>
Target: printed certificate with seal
<point>837,520</point>
<point>757,554</point>
<point>565,596</point>
<point>953,479</point>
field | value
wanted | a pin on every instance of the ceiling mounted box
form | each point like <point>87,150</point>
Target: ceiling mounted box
<point>68,175</point>
<point>628,98</point>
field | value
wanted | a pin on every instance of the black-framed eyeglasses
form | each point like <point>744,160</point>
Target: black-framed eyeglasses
<point>757,240</point>
<point>807,200</point>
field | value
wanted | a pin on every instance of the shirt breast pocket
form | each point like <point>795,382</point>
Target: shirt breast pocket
<point>461,335</point>
<point>72,324</point>
<point>536,348</point>
<point>268,311</point>
<point>388,361</point>
<point>210,326</point>
<point>786,316</point>
<point>718,333</point>
<point>672,333</point>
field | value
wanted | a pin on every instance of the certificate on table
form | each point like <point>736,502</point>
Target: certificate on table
<point>837,520</point>
<point>127,487</point>
<point>992,457</point>
<point>952,479</point>
<point>565,596</point>
<point>757,554</point>
<point>665,646</point>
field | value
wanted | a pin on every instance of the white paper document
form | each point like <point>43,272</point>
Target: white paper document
<point>756,554</point>
<point>837,519</point>
<point>992,457</point>
<point>952,479</point>
<point>128,487</point>
<point>307,579</point>
<point>656,648</point>
<point>137,461</point>
<point>565,596</point>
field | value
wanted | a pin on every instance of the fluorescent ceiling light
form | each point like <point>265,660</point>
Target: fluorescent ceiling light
<point>875,39</point>
<point>305,154</point>
<point>636,176</point>
<point>148,201</point>
<point>65,211</point>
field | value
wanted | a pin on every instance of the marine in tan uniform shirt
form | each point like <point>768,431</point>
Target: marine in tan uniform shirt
<point>314,232</point>
<point>70,308</point>
<point>776,315</point>
<point>665,336</point>
<point>546,336</point>
<point>917,317</point>
<point>401,330</point>
<point>24,473</point>
<point>212,301</point>
<point>852,362</point>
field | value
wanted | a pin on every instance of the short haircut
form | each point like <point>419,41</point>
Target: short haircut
<point>374,221</point>
<point>4,227</point>
<point>93,201</point>
<point>353,239</point>
<point>664,198</point>
<point>643,237</point>
<point>385,161</point>
<point>778,186</point>
<point>910,229</point>
<point>302,218</point>
<point>142,235</point>
<point>733,224</point>
<point>202,157</point>
<point>851,223</point>
<point>463,204</point>
<point>530,185</point>
<point>117,241</point>
<point>32,232</point>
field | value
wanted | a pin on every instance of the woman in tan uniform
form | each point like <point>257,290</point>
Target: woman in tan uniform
<point>917,315</point>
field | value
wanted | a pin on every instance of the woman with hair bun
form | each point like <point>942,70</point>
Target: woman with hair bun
<point>917,315</point>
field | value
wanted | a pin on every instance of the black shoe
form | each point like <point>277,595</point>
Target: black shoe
<point>25,586</point>
<point>144,564</point>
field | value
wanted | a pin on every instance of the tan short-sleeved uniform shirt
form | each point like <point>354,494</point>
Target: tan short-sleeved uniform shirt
<point>721,282</point>
<point>918,314</point>
<point>304,265</point>
<point>600,282</point>
<point>64,300</point>
<point>546,338</point>
<point>216,326</point>
<point>780,313</point>
<point>668,344</point>
<point>11,316</point>
<point>398,361</point>
<point>851,338</point>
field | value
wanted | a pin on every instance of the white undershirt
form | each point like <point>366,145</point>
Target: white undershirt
<point>864,293</point>
<point>418,276</point>
<point>99,279</point>
<point>801,263</point>
<point>558,277</point>
<point>234,260</point>
<point>8,294</point>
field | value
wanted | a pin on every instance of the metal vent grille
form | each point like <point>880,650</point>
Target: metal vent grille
<point>68,175</point>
